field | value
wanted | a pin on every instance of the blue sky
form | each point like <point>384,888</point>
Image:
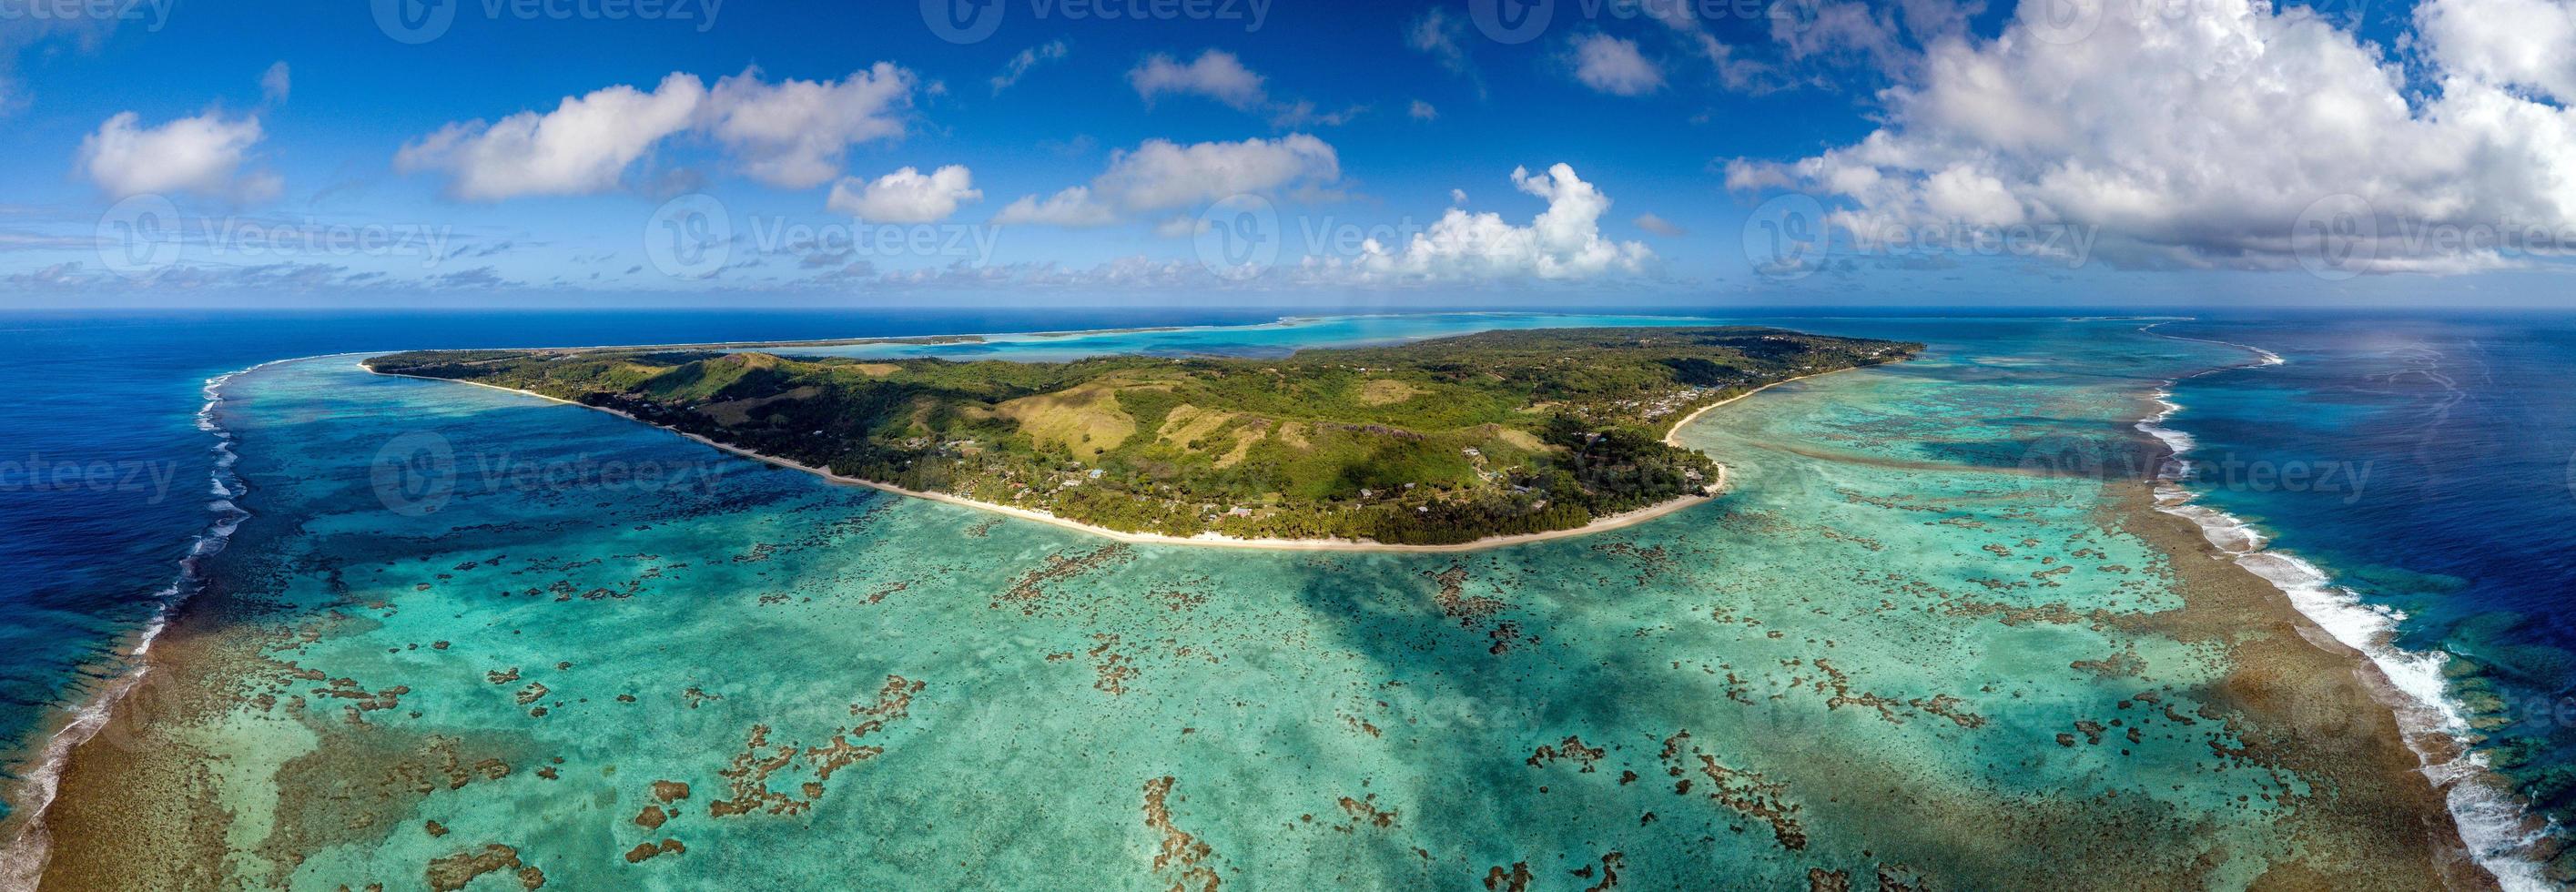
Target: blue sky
<point>1557,152</point>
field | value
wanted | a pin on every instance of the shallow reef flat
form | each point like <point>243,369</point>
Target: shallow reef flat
<point>1933,638</point>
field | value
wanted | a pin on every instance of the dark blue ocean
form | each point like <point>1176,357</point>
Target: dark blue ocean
<point>2428,463</point>
<point>2424,461</point>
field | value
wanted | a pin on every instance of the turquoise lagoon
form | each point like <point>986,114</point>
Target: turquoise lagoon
<point>1897,651</point>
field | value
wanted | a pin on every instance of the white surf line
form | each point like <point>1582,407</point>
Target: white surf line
<point>2496,825</point>
<point>23,860</point>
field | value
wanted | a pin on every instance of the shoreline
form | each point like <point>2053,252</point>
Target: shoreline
<point>2495,828</point>
<point>1673,435</point>
<point>2317,706</point>
<point>25,844</point>
<point>1621,520</point>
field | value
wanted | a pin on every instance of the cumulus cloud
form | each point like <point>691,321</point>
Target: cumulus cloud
<point>581,147</point>
<point>1562,243</point>
<point>2207,134</point>
<point>906,196</point>
<point>203,155</point>
<point>1160,175</point>
<point>1018,67</point>
<point>1613,65</point>
<point>2520,43</point>
<point>1215,74</point>
<point>792,134</point>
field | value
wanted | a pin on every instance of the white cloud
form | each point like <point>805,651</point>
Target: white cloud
<point>1422,111</point>
<point>202,155</point>
<point>2523,43</point>
<point>1562,243</point>
<point>1018,67</point>
<point>274,84</point>
<point>581,147</point>
<point>1161,175</point>
<point>1072,207</point>
<point>906,196</point>
<point>1613,65</point>
<point>1457,196</point>
<point>2203,141</point>
<point>1215,74</point>
<point>1659,226</point>
<point>793,134</point>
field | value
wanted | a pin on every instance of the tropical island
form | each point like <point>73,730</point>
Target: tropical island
<point>1436,442</point>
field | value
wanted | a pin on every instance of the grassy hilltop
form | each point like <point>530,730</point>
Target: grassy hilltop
<point>1437,441</point>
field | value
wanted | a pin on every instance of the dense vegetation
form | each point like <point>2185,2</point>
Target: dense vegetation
<point>1437,441</point>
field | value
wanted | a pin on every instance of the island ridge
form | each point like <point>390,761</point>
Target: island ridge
<point>1443,441</point>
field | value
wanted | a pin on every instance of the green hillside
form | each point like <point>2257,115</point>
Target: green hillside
<point>1437,441</point>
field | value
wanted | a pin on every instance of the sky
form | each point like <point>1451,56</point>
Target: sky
<point>1537,153</point>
